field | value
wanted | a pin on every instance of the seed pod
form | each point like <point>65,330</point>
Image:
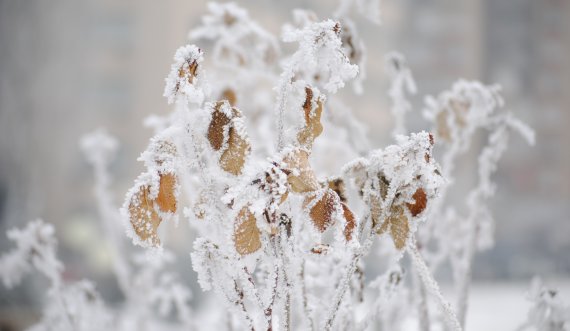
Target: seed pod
<point>247,235</point>
<point>143,216</point>
<point>301,177</point>
<point>420,202</point>
<point>322,211</point>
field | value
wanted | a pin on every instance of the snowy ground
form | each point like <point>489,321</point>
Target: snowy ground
<point>503,306</point>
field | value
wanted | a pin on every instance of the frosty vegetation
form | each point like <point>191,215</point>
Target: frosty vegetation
<point>283,247</point>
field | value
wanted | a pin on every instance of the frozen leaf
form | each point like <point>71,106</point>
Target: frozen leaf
<point>218,124</point>
<point>312,109</point>
<point>247,235</point>
<point>166,199</point>
<point>397,224</point>
<point>301,178</point>
<point>184,73</point>
<point>226,133</point>
<point>321,211</point>
<point>337,185</point>
<point>320,249</point>
<point>143,216</point>
<point>420,201</point>
<point>233,158</point>
<point>350,222</point>
<point>229,95</point>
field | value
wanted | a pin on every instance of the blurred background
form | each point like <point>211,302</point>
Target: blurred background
<point>68,67</point>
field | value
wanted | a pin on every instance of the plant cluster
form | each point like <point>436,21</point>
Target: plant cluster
<point>283,246</point>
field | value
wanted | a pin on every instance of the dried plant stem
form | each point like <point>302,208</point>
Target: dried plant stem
<point>285,80</point>
<point>432,286</point>
<point>304,297</point>
<point>240,304</point>
<point>345,281</point>
<point>423,312</point>
<point>465,280</point>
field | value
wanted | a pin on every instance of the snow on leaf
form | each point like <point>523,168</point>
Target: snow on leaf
<point>312,109</point>
<point>420,201</point>
<point>322,206</point>
<point>398,226</point>
<point>181,83</point>
<point>247,235</point>
<point>226,134</point>
<point>143,216</point>
<point>166,199</point>
<point>350,221</point>
<point>301,178</point>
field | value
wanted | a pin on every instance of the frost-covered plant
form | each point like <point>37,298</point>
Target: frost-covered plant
<point>242,158</point>
<point>548,312</point>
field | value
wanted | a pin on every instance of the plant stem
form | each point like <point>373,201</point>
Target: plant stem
<point>431,285</point>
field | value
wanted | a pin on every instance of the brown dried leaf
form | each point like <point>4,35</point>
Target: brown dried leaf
<point>313,127</point>
<point>350,222</point>
<point>246,235</point>
<point>189,73</point>
<point>420,202</point>
<point>301,177</point>
<point>217,126</point>
<point>320,249</point>
<point>337,185</point>
<point>442,127</point>
<point>166,199</point>
<point>376,212</point>
<point>143,216</point>
<point>229,95</point>
<point>321,212</point>
<point>460,109</point>
<point>398,225</point>
<point>233,158</point>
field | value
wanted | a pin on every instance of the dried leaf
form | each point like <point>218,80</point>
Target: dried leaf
<point>229,95</point>
<point>217,126</point>
<point>337,185</point>
<point>460,109</point>
<point>246,235</point>
<point>398,225</point>
<point>420,202</point>
<point>236,148</point>
<point>321,212</point>
<point>166,199</point>
<point>233,158</point>
<point>320,249</point>
<point>301,177</point>
<point>143,216</point>
<point>350,222</point>
<point>188,73</point>
<point>313,127</point>
<point>376,212</point>
<point>442,127</point>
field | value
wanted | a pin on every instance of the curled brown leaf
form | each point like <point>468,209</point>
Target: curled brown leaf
<point>420,202</point>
